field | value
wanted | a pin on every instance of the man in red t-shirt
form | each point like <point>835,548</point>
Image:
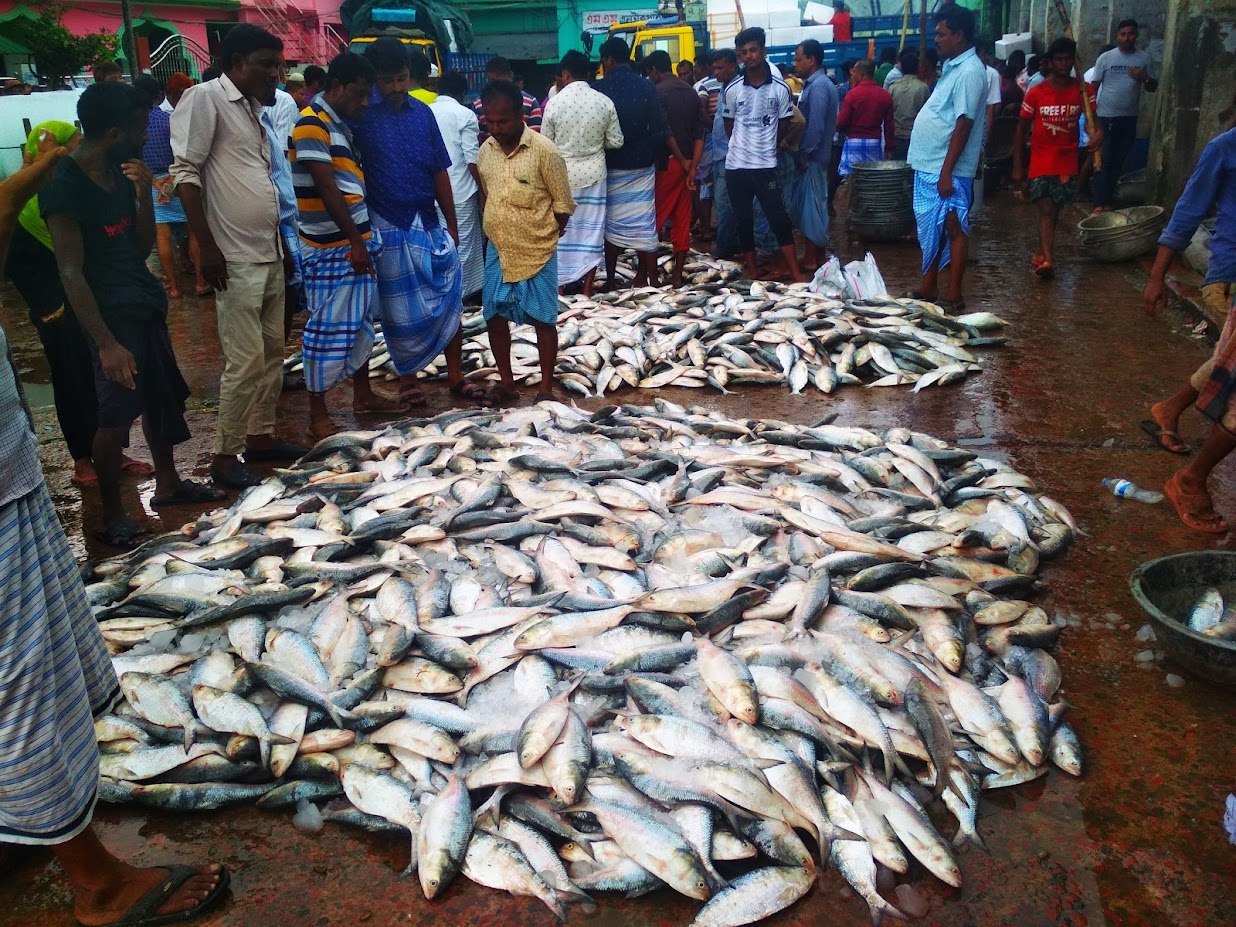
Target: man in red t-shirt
<point>1051,113</point>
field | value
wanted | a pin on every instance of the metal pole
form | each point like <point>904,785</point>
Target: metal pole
<point>922,32</point>
<point>130,42</point>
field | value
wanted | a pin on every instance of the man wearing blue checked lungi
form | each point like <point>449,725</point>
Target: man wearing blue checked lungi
<point>420,283</point>
<point>945,147</point>
<point>56,675</point>
<point>527,206</point>
<point>339,244</point>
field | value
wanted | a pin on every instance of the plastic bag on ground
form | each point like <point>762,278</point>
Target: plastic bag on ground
<point>863,279</point>
<point>828,280</point>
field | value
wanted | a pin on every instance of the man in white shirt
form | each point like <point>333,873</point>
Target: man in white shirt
<point>757,108</point>
<point>460,128</point>
<point>583,123</point>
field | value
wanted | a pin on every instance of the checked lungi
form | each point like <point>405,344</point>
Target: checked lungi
<point>631,209</point>
<point>582,247</point>
<point>56,677</point>
<point>807,200</point>
<point>858,151</point>
<point>420,292</point>
<point>339,333</point>
<point>1215,380</point>
<point>931,211</point>
<point>471,244</point>
<point>703,173</point>
<point>525,302</point>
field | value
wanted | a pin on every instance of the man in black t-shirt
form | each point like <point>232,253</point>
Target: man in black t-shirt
<point>98,208</point>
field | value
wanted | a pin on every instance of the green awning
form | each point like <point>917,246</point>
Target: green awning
<point>9,47</point>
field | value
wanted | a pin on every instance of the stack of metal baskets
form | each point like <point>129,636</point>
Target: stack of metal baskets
<point>1121,235</point>
<point>882,200</point>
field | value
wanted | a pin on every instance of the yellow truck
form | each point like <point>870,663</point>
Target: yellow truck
<point>683,41</point>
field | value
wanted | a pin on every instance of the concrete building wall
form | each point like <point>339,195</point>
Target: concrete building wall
<point>1198,83</point>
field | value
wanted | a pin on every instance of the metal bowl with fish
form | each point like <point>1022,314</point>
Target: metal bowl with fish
<point>1170,590</point>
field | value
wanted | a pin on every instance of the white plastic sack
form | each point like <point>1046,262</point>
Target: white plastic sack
<point>863,279</point>
<point>829,280</point>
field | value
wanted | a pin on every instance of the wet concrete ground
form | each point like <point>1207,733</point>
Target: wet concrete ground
<point>1138,841</point>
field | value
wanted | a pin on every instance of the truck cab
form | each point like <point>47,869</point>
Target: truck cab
<point>402,25</point>
<point>682,40</point>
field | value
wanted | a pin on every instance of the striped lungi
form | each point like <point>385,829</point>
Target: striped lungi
<point>55,678</point>
<point>582,247</point>
<point>631,209</point>
<point>420,292</point>
<point>339,333</point>
<point>931,210</point>
<point>858,151</point>
<point>525,302</point>
<point>471,244</point>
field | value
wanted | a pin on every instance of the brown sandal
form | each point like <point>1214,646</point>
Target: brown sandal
<point>1196,510</point>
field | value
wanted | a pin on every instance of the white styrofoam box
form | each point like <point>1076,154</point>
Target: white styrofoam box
<point>782,5</point>
<point>722,8</point>
<point>819,13</point>
<point>785,36</point>
<point>822,34</point>
<point>784,19</point>
<point>1014,41</point>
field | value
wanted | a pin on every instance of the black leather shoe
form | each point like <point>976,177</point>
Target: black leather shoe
<point>237,476</point>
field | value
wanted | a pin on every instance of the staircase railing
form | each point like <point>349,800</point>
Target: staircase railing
<point>178,53</point>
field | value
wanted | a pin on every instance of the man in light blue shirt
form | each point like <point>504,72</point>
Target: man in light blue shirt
<point>945,147</point>
<point>281,175</point>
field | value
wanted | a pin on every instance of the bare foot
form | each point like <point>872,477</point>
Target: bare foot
<point>320,428</point>
<point>375,402</point>
<point>109,903</point>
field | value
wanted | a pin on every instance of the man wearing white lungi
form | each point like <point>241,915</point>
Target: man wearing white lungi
<point>56,675</point>
<point>459,127</point>
<point>631,206</point>
<point>583,123</point>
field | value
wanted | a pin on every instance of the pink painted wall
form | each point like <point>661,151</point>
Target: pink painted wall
<point>85,17</point>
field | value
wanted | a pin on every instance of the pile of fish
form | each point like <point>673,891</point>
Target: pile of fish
<point>565,652</point>
<point>730,336</point>
<point>1210,617</point>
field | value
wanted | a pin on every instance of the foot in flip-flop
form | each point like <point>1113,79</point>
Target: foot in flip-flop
<point>412,396</point>
<point>1194,507</point>
<point>136,467</point>
<point>545,396</point>
<point>123,534</point>
<point>184,893</point>
<point>499,395</point>
<point>1045,270</point>
<point>1165,438</point>
<point>322,428</point>
<point>469,390</point>
<point>189,492</point>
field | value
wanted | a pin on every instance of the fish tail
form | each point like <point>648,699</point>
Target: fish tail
<point>966,839</point>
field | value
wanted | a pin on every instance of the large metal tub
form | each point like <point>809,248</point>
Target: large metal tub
<point>882,200</point>
<point>1167,589</point>
<point>1121,235</point>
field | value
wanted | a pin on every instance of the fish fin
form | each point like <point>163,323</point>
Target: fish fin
<point>280,740</point>
<point>963,841</point>
<point>567,892</point>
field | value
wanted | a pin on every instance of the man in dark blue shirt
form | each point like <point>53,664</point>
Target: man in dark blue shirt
<point>420,287</point>
<point>631,211</point>
<point>1213,387</point>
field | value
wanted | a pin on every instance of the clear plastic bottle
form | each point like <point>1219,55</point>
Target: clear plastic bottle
<point>1127,490</point>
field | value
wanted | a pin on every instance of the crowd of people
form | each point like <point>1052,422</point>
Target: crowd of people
<point>369,190</point>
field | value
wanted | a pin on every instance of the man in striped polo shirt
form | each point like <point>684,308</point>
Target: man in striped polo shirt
<point>338,244</point>
<point>757,108</point>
